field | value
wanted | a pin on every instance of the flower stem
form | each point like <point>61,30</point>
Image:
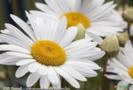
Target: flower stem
<point>106,82</point>
<point>8,76</point>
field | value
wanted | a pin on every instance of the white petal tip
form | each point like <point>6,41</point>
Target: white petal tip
<point>28,85</point>
<point>37,4</point>
<point>84,80</point>
<point>12,16</point>
<point>17,75</point>
<point>77,86</point>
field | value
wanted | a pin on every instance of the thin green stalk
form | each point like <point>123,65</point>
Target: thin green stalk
<point>106,82</point>
<point>8,77</point>
<point>128,28</point>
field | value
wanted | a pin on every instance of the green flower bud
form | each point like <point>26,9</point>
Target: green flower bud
<point>123,38</point>
<point>2,75</point>
<point>110,44</point>
<point>81,32</point>
<point>128,14</point>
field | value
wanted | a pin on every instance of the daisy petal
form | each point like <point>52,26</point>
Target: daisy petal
<point>53,5</point>
<point>61,29</point>
<point>54,80</point>
<point>115,77</point>
<point>22,55</point>
<point>69,37</point>
<point>21,71</point>
<point>80,64</point>
<point>86,72</point>
<point>13,48</point>
<point>12,40</point>
<point>33,67</point>
<point>44,82</point>
<point>73,73</point>
<point>9,61</point>
<point>32,79</point>
<point>25,61</point>
<point>18,34</point>
<point>24,26</point>
<point>43,7</point>
<point>69,79</point>
<point>43,70</point>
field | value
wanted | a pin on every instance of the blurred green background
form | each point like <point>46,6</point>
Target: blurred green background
<point>18,8</point>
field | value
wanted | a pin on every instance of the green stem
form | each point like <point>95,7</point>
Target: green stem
<point>123,4</point>
<point>106,82</point>
<point>128,27</point>
<point>129,32</point>
<point>8,76</point>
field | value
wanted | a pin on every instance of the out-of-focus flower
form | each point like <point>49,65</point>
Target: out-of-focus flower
<point>122,85</point>
<point>97,17</point>
<point>48,52</point>
<point>122,65</point>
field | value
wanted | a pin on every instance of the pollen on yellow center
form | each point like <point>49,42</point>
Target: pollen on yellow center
<point>48,53</point>
<point>75,18</point>
<point>130,71</point>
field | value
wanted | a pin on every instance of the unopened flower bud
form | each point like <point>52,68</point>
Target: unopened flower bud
<point>110,44</point>
<point>128,14</point>
<point>123,38</point>
<point>2,75</point>
<point>81,32</point>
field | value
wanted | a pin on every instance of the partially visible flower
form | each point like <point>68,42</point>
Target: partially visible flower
<point>47,50</point>
<point>122,85</point>
<point>97,17</point>
<point>122,65</point>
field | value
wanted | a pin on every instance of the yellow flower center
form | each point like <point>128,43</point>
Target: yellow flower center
<point>130,71</point>
<point>48,53</point>
<point>75,18</point>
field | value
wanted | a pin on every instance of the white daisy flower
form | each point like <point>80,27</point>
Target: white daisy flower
<point>122,65</point>
<point>46,50</point>
<point>98,18</point>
